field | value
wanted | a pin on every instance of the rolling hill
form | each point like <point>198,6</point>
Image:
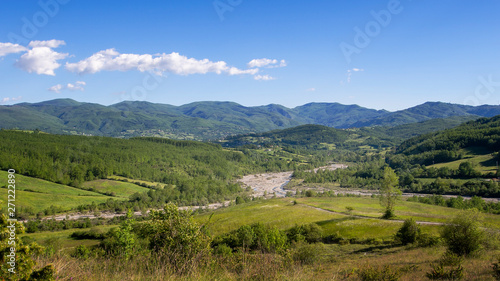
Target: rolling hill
<point>212,120</point>
<point>474,139</point>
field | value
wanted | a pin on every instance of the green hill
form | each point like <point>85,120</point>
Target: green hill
<point>473,138</point>
<point>211,120</point>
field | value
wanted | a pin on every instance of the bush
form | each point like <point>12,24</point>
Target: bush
<point>24,263</point>
<point>93,233</point>
<point>223,250</point>
<point>463,235</point>
<point>307,253</point>
<point>426,240</point>
<point>311,233</point>
<point>176,238</point>
<point>81,252</point>
<point>496,269</point>
<point>409,233</point>
<point>256,237</point>
<point>310,193</point>
<point>449,267</point>
<point>386,273</point>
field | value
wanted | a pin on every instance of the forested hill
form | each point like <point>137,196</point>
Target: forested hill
<point>448,145</point>
<point>211,120</point>
<point>308,137</point>
<point>190,171</point>
<point>322,137</point>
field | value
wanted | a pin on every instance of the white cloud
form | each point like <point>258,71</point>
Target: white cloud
<point>49,43</point>
<point>270,63</point>
<point>56,88</point>
<point>311,90</point>
<point>263,77</point>
<point>77,86</point>
<point>236,71</point>
<point>9,48</point>
<point>111,60</point>
<point>7,99</point>
<point>41,59</point>
<point>261,62</point>
<point>350,71</point>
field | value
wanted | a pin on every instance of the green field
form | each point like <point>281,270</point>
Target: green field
<point>43,186</point>
<point>134,181</point>
<point>366,240</point>
<point>41,201</point>
<point>119,188</point>
<point>40,194</point>
<point>370,207</point>
<point>276,212</point>
<point>482,160</point>
<point>63,238</point>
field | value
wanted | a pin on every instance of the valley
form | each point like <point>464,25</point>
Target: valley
<point>309,199</point>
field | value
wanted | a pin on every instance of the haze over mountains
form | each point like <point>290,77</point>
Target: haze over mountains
<point>212,120</point>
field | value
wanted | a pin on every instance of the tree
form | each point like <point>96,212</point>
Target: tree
<point>466,170</point>
<point>409,232</point>
<point>463,235</point>
<point>389,192</point>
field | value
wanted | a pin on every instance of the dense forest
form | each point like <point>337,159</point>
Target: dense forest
<point>445,146</point>
<point>412,158</point>
<point>188,171</point>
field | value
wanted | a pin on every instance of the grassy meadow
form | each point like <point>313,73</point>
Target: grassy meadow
<point>366,243</point>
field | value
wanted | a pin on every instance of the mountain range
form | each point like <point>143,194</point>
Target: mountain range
<point>212,120</point>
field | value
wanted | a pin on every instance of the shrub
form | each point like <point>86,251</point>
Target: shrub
<point>24,263</point>
<point>463,235</point>
<point>386,273</point>
<point>409,233</point>
<point>121,241</point>
<point>223,250</point>
<point>93,233</point>
<point>239,200</point>
<point>254,237</point>
<point>309,232</point>
<point>307,253</point>
<point>426,240</point>
<point>176,238</point>
<point>496,269</point>
<point>310,193</point>
<point>81,252</point>
<point>449,267</point>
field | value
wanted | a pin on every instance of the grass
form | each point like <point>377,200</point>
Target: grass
<point>283,214</point>
<point>482,160</point>
<point>370,207</point>
<point>336,262</point>
<point>119,188</point>
<point>41,201</point>
<point>63,237</point>
<point>43,186</point>
<point>134,181</point>
<point>276,212</point>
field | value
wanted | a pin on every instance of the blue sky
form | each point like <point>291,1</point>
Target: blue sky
<point>378,54</point>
